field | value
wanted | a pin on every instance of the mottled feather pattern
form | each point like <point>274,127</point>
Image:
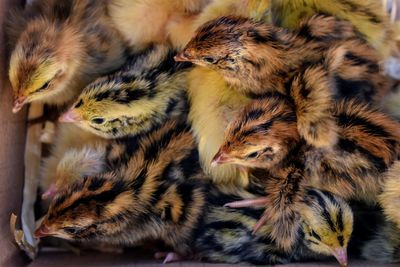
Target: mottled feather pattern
<point>155,188</point>
<point>150,88</point>
<point>357,167</point>
<point>368,18</point>
<point>313,65</point>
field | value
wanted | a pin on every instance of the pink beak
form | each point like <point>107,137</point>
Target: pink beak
<point>42,231</point>
<point>69,116</point>
<point>220,158</point>
<point>341,256</point>
<point>18,104</point>
<point>181,57</point>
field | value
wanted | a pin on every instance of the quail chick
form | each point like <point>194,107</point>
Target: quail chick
<point>258,58</point>
<point>212,106</point>
<point>149,89</point>
<point>143,23</point>
<point>55,46</point>
<point>157,190</point>
<point>358,167</point>
<point>212,101</point>
<point>368,18</point>
<point>73,154</point>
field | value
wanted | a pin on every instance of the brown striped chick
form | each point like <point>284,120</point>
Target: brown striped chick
<point>74,153</point>
<point>147,22</point>
<point>142,197</point>
<point>157,190</point>
<point>313,66</point>
<point>147,91</point>
<point>368,17</point>
<point>55,45</point>
<point>265,136</point>
<point>212,102</point>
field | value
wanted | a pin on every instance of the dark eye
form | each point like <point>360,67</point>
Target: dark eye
<point>210,60</point>
<point>98,120</point>
<point>44,87</point>
<point>71,230</point>
<point>230,60</point>
<point>252,155</point>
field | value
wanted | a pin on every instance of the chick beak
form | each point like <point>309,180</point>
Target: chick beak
<point>18,104</point>
<point>220,158</point>
<point>341,256</point>
<point>42,231</point>
<point>69,116</point>
<point>181,57</point>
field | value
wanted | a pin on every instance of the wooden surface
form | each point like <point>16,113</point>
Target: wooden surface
<point>134,260</point>
<point>12,142</point>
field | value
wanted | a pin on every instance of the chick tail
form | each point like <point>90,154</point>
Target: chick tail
<point>390,196</point>
<point>312,92</point>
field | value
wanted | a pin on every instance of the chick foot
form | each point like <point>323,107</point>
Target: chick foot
<point>168,256</point>
<point>255,202</point>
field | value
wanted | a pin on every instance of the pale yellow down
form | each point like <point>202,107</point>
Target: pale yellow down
<point>213,103</point>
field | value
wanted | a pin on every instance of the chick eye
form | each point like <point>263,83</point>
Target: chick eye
<point>98,120</point>
<point>44,87</point>
<point>252,155</point>
<point>210,60</point>
<point>71,230</point>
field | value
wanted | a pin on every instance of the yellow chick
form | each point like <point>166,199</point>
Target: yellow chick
<point>58,47</point>
<point>213,102</point>
<point>367,16</point>
<point>146,22</point>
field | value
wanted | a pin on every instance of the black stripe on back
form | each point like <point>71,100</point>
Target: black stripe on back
<point>103,197</point>
<point>350,120</point>
<point>158,145</point>
<point>351,147</point>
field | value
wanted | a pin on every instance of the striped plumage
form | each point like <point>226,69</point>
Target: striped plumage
<point>368,17</point>
<point>155,189</point>
<point>323,60</point>
<point>149,89</point>
<point>58,47</point>
<point>357,167</point>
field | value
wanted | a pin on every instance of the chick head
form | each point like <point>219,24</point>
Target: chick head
<point>120,105</point>
<point>327,222</point>
<point>229,46</point>
<point>91,208</point>
<point>261,136</point>
<point>43,61</point>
